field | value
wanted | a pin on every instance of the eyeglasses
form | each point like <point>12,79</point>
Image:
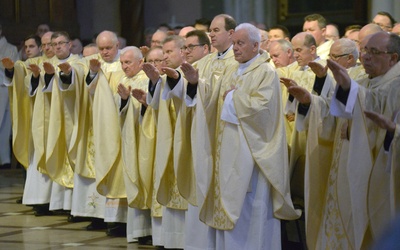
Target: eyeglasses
<point>191,47</point>
<point>58,44</point>
<point>157,61</point>
<point>336,57</point>
<point>373,51</point>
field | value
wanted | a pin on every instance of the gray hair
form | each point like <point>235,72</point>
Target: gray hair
<point>136,52</point>
<point>285,45</point>
<point>348,46</point>
<point>253,32</point>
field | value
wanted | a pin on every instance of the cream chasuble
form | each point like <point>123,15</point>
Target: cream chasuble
<point>259,112</point>
<point>107,137</point>
<point>186,150</point>
<point>366,167</point>
<point>328,214</point>
<point>58,166</point>
<point>137,180</point>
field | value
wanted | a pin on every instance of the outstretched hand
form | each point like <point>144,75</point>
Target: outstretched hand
<point>140,95</point>
<point>381,120</point>
<point>94,65</point>
<point>35,70</point>
<point>191,74</point>
<point>170,72</point>
<point>7,63</point>
<point>318,69</point>
<point>340,74</point>
<point>152,72</point>
<point>123,91</point>
<point>49,68</point>
<point>65,68</point>
<point>288,82</point>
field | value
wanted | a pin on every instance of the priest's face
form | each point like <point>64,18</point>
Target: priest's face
<point>130,64</point>
<point>303,53</point>
<point>243,48</point>
<point>61,46</point>
<point>219,36</point>
<point>156,57</point>
<point>279,56</point>
<point>313,28</point>
<point>108,48</point>
<point>31,48</point>
<point>193,50</point>
<point>376,58</point>
<point>46,45</point>
<point>173,55</point>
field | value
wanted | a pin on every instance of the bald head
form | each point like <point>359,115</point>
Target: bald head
<point>157,38</point>
<point>367,30</point>
<point>107,43</point>
<point>185,30</point>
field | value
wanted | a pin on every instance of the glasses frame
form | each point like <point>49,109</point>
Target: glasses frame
<point>191,47</point>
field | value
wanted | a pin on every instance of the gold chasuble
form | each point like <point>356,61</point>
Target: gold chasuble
<point>190,185</point>
<point>304,77</point>
<point>328,210</point>
<point>21,107</point>
<point>167,193</point>
<point>137,180</point>
<point>107,137</point>
<point>257,101</point>
<point>369,178</point>
<point>146,157</point>
<point>58,166</point>
<point>78,122</point>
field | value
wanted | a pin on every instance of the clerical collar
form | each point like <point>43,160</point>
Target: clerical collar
<point>244,66</point>
<point>65,59</point>
<point>221,55</point>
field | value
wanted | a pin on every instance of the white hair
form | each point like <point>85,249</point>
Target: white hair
<point>136,51</point>
<point>253,31</point>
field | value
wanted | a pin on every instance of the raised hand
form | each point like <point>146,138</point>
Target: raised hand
<point>65,68</point>
<point>301,94</point>
<point>170,72</point>
<point>123,91</point>
<point>94,65</point>
<point>318,69</point>
<point>340,74</point>
<point>8,63</point>
<point>191,74</point>
<point>49,68</point>
<point>144,50</point>
<point>288,82</point>
<point>140,95</point>
<point>381,120</point>
<point>152,72</point>
<point>35,70</point>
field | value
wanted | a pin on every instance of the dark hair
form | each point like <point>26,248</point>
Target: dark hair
<point>34,37</point>
<point>230,23</point>
<point>60,33</point>
<point>201,35</point>
<point>387,14</point>
<point>285,30</point>
<point>203,21</point>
